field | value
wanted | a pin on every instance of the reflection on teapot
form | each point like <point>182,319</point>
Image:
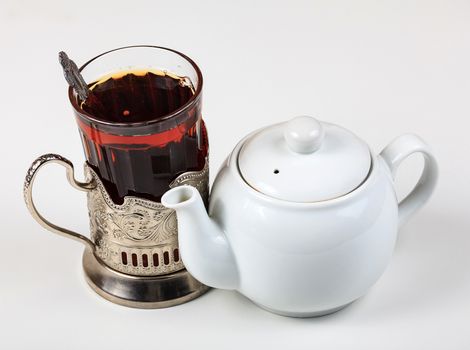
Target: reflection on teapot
<point>303,216</point>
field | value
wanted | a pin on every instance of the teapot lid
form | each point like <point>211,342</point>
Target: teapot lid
<point>304,160</point>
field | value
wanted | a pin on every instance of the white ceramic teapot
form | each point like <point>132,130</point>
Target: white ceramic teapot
<point>303,216</point>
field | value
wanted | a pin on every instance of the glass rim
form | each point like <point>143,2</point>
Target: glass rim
<point>189,104</point>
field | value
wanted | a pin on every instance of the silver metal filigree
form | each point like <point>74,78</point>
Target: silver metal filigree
<point>138,237</point>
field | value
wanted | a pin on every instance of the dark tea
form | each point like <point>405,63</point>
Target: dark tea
<point>140,130</point>
<point>137,96</point>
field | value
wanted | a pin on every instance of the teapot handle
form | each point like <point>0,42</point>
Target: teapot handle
<point>28,195</point>
<point>397,151</point>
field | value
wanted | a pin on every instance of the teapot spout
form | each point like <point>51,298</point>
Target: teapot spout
<point>204,248</point>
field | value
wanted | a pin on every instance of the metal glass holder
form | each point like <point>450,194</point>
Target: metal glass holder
<point>131,257</point>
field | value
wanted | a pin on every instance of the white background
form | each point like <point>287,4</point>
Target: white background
<point>378,68</point>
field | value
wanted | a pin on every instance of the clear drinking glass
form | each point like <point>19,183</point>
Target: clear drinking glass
<point>141,157</point>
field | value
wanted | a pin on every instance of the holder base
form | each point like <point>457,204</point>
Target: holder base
<point>144,292</point>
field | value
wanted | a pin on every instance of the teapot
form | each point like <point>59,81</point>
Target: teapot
<point>302,217</point>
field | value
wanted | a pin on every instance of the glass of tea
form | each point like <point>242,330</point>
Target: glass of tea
<point>142,132</point>
<point>142,128</point>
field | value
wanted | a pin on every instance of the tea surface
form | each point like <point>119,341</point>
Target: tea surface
<point>137,96</point>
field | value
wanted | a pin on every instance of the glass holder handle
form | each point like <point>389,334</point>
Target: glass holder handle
<point>28,195</point>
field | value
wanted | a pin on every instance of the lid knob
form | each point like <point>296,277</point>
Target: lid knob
<point>303,134</point>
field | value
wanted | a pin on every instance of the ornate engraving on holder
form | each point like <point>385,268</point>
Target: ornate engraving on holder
<point>198,179</point>
<point>34,168</point>
<point>138,237</point>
